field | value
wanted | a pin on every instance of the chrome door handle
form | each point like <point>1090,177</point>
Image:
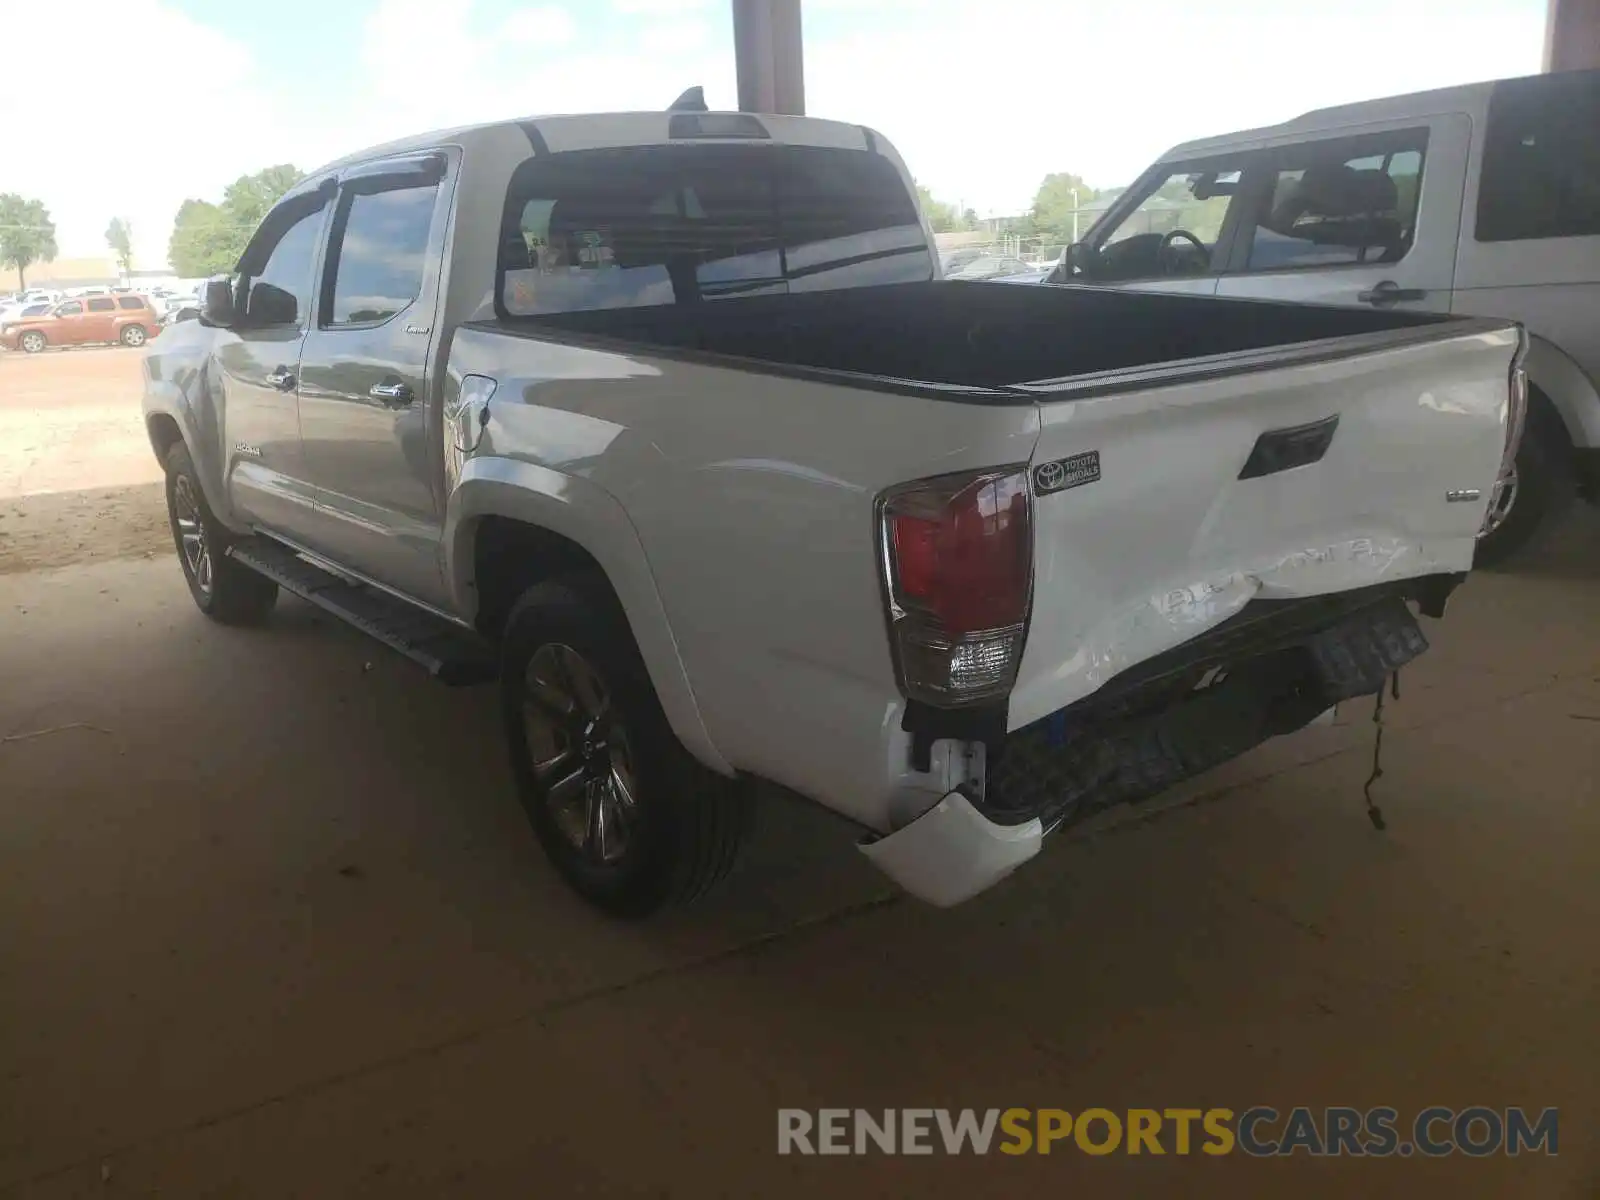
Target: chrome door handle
<point>282,379</point>
<point>1390,292</point>
<point>395,395</point>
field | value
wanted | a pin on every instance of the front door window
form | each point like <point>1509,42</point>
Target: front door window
<point>1172,232</point>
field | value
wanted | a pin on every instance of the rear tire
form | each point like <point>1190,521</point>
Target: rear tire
<point>1545,486</point>
<point>222,589</point>
<point>134,335</point>
<point>33,342</point>
<point>595,758</point>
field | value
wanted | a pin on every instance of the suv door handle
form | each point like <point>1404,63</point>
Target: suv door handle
<point>395,395</point>
<point>1390,292</point>
<point>282,379</point>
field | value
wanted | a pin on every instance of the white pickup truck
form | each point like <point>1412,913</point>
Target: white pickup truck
<point>667,423</point>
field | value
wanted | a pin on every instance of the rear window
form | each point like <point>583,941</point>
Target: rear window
<point>1541,159</point>
<point>103,304</point>
<point>657,225</point>
<point>129,302</point>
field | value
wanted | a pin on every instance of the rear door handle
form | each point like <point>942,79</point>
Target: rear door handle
<point>282,379</point>
<point>395,395</point>
<point>1390,292</point>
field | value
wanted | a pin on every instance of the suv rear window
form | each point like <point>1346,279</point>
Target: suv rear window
<point>129,302</point>
<point>655,225</point>
<point>1541,159</point>
<point>101,304</point>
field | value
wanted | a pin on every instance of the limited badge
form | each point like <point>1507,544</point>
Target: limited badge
<point>1064,473</point>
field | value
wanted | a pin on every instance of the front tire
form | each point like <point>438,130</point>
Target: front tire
<point>134,335</point>
<point>33,342</point>
<point>222,589</point>
<point>1541,490</point>
<point>630,820</point>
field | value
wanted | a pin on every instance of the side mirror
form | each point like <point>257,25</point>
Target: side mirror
<point>216,303</point>
<point>270,305</point>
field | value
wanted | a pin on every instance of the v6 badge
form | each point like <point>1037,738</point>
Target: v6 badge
<point>1064,473</point>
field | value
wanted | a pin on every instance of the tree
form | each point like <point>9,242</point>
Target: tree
<point>207,238</point>
<point>942,216</point>
<point>1058,196</point>
<point>119,236</point>
<point>27,234</point>
<point>248,198</point>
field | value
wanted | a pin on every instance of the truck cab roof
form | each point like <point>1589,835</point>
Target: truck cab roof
<point>590,131</point>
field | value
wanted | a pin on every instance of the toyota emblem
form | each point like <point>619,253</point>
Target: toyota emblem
<point>1047,477</point>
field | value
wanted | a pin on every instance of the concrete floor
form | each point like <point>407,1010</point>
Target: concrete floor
<point>271,924</point>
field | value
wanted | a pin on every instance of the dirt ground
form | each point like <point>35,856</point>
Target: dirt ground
<point>78,482</point>
<point>271,924</point>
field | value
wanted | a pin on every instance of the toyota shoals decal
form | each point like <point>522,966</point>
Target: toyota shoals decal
<point>1064,473</point>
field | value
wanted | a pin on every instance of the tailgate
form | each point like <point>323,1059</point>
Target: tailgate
<point>1166,500</point>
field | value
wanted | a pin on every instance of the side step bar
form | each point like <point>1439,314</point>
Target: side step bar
<point>449,653</point>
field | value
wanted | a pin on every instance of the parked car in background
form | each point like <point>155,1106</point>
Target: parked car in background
<point>954,260</point>
<point>990,266</point>
<point>1480,200</point>
<point>13,314</point>
<point>187,311</point>
<point>130,320</point>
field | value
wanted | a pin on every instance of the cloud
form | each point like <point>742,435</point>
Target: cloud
<point>91,159</point>
<point>662,8</point>
<point>546,26</point>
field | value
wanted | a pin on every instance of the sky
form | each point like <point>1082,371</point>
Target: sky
<point>142,103</point>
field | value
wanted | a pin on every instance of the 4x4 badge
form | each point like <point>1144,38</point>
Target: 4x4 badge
<point>1063,473</point>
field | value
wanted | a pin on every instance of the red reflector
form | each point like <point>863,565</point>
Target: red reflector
<point>965,557</point>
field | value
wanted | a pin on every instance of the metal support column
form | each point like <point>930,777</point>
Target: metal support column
<point>766,46</point>
<point>1572,35</point>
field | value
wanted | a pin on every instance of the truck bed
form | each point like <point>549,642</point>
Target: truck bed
<point>973,335</point>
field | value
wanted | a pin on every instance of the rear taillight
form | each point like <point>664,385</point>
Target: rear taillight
<point>958,570</point>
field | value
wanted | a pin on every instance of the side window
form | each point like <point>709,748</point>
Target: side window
<point>1340,204</point>
<point>1173,230</point>
<point>130,302</point>
<point>70,309</point>
<point>280,292</point>
<point>1541,159</point>
<point>379,254</point>
<point>102,305</point>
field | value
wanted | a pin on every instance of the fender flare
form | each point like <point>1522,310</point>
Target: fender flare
<point>206,468</point>
<point>1569,388</point>
<point>588,515</point>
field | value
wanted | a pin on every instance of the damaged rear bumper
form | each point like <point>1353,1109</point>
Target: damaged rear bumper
<point>1264,673</point>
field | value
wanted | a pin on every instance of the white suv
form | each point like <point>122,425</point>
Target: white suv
<point>1481,200</point>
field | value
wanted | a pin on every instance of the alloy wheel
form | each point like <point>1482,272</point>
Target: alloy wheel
<point>581,754</point>
<point>192,533</point>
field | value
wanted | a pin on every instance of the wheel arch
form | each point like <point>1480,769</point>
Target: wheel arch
<point>1567,386</point>
<point>510,524</point>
